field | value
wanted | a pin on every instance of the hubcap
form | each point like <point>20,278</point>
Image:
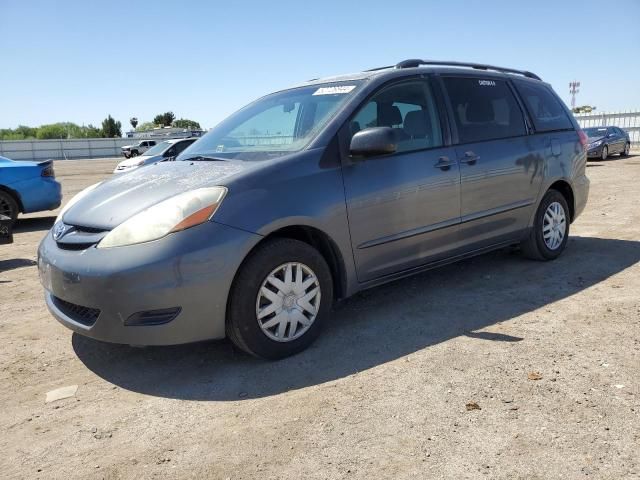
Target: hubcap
<point>605,153</point>
<point>288,302</point>
<point>554,226</point>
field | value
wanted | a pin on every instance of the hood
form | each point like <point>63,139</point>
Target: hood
<point>132,162</point>
<point>122,196</point>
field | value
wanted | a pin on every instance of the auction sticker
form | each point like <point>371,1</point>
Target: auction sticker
<point>337,90</point>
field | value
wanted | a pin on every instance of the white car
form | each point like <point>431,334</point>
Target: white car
<point>165,150</point>
<point>137,148</point>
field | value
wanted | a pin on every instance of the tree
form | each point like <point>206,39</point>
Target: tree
<point>54,130</point>
<point>111,128</point>
<point>134,122</point>
<point>584,109</point>
<point>26,132</point>
<point>143,127</point>
<point>92,132</point>
<point>186,123</point>
<point>165,119</point>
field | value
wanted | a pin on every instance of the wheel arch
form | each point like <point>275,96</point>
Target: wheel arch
<point>15,195</point>
<point>565,189</point>
<point>320,241</point>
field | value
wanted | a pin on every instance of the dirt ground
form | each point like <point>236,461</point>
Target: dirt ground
<point>549,353</point>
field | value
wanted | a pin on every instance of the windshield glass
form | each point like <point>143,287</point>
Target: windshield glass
<point>158,149</point>
<point>275,125</point>
<point>595,132</point>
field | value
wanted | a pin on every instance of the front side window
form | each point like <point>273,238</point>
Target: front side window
<point>407,108</point>
<point>275,125</point>
<point>158,149</point>
<point>544,107</point>
<point>484,109</point>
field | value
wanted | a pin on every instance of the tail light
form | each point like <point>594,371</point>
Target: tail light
<point>48,171</point>
<point>583,139</point>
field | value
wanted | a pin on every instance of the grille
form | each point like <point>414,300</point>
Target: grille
<point>85,315</point>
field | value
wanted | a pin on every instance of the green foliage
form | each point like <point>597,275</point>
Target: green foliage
<point>111,128</point>
<point>186,123</point>
<point>584,109</point>
<point>165,119</point>
<point>146,126</point>
<point>54,130</point>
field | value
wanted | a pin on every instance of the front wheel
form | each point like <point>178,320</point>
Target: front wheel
<point>279,300</point>
<point>550,232</point>
<point>605,153</point>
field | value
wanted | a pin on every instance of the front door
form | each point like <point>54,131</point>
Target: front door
<point>403,208</point>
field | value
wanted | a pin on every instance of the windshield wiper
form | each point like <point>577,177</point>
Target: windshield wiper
<point>204,158</point>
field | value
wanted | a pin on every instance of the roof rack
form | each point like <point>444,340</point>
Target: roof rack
<point>416,62</point>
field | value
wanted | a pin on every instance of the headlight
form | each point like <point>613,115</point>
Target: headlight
<point>172,215</point>
<point>597,143</point>
<point>72,202</point>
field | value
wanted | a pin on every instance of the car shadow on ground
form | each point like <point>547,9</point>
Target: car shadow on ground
<point>373,327</point>
<point>35,224</point>
<point>6,265</point>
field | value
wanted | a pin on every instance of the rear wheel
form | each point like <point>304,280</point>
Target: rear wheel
<point>605,153</point>
<point>625,152</point>
<point>134,153</point>
<point>279,300</point>
<point>548,237</point>
<point>8,206</point>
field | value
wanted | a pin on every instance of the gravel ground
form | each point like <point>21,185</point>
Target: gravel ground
<point>496,367</point>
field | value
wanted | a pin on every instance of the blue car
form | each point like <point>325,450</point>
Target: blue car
<point>27,187</point>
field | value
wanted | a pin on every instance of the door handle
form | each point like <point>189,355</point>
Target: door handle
<point>443,163</point>
<point>470,158</point>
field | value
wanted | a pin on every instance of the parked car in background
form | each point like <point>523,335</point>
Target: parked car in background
<point>312,194</point>
<point>163,151</point>
<point>605,141</point>
<point>27,187</point>
<point>137,148</point>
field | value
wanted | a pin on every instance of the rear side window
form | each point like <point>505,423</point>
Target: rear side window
<point>544,107</point>
<point>484,109</point>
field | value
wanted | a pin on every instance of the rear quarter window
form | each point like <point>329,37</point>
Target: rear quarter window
<point>545,109</point>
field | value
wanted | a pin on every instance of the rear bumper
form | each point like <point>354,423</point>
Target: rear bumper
<point>580,194</point>
<point>189,272</point>
<point>39,194</point>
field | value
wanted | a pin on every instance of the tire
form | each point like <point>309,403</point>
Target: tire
<point>605,153</point>
<point>246,299</point>
<point>134,153</point>
<point>625,152</point>
<point>8,206</point>
<point>535,246</point>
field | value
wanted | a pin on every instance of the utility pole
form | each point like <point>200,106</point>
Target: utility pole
<point>574,88</point>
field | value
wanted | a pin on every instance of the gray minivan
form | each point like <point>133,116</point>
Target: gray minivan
<point>312,194</point>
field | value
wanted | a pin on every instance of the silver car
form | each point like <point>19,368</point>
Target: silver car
<point>163,151</point>
<point>312,194</point>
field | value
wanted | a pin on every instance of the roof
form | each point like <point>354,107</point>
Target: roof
<point>422,65</point>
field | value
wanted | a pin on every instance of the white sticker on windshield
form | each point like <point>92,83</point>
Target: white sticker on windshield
<point>337,90</point>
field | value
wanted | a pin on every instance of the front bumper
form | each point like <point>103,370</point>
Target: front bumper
<point>190,270</point>
<point>595,152</point>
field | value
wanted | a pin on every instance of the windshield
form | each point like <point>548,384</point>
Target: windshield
<point>158,149</point>
<point>595,132</point>
<point>275,125</point>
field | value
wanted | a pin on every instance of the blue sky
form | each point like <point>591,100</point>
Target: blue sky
<point>81,60</point>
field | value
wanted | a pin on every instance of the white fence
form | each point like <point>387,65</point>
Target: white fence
<point>628,121</point>
<point>63,149</point>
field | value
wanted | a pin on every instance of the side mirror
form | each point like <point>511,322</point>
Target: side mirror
<point>373,141</point>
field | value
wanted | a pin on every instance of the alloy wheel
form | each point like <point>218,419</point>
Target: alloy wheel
<point>554,226</point>
<point>288,302</point>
